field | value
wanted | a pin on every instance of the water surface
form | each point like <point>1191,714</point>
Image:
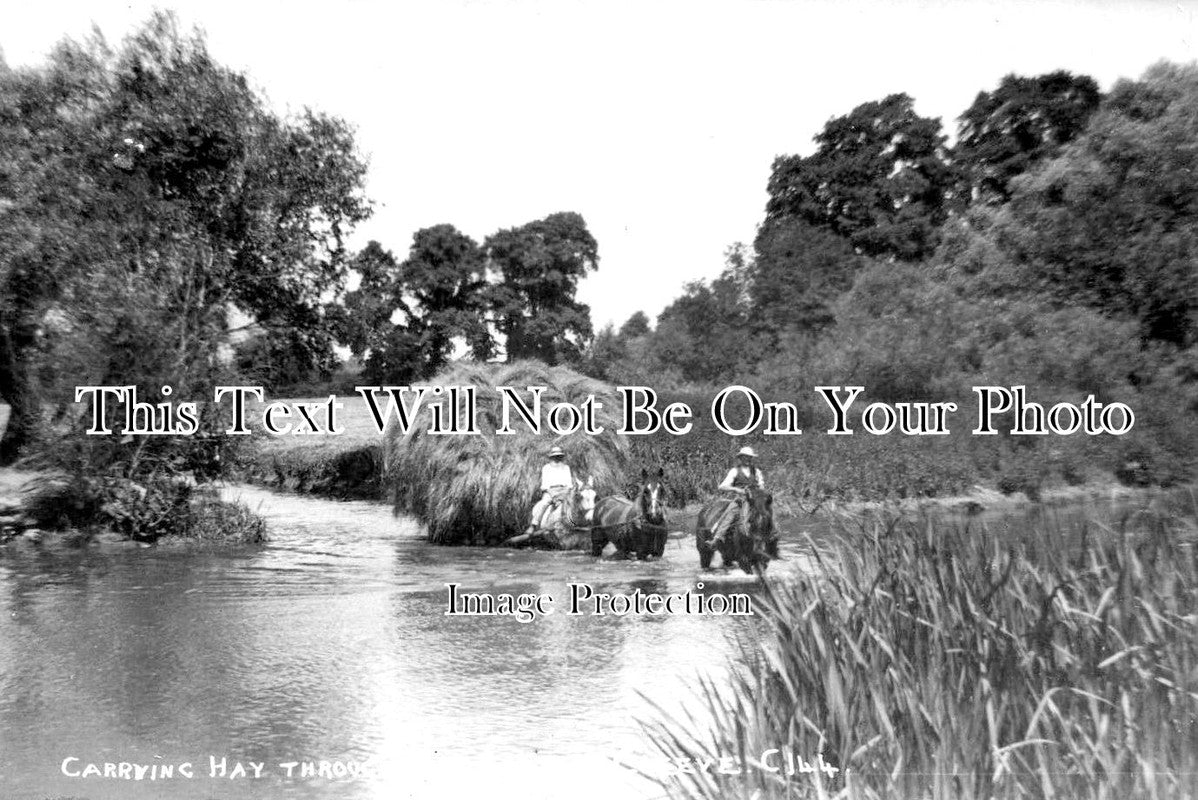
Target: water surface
<point>331,643</point>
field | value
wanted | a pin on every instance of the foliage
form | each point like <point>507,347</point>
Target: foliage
<point>706,335</point>
<point>799,272</point>
<point>322,469</point>
<point>278,363</point>
<point>1111,222</point>
<point>144,511</point>
<point>404,318</point>
<point>538,266</point>
<point>928,660</point>
<point>635,326</point>
<point>880,177</point>
<point>1017,125</point>
<point>146,193</point>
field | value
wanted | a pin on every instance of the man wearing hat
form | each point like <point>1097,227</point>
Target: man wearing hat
<point>738,480</point>
<point>556,478</point>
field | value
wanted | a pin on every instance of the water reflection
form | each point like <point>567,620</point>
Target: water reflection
<point>331,643</point>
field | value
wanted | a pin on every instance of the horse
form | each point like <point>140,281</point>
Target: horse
<point>749,541</point>
<point>568,519</point>
<point>634,528</point>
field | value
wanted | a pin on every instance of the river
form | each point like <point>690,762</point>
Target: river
<point>331,643</point>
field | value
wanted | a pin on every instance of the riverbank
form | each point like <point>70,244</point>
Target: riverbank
<point>834,474</point>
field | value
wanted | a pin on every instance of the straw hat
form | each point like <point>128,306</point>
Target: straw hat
<point>747,452</point>
<point>557,452</point>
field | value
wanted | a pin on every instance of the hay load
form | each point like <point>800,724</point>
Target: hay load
<point>480,489</point>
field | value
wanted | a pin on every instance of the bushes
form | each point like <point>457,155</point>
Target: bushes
<point>323,469</point>
<point>143,488</point>
<point>144,511</point>
<point>925,660</point>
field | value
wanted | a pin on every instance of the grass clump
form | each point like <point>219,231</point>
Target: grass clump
<point>927,660</point>
<point>143,510</point>
<point>480,489</point>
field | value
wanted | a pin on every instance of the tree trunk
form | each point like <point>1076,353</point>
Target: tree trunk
<point>17,389</point>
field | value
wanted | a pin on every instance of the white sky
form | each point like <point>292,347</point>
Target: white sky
<point>657,121</point>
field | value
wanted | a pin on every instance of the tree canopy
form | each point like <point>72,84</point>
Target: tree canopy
<point>151,186</point>
<point>1112,221</point>
<point>1022,122</point>
<point>880,177</point>
<point>538,267</point>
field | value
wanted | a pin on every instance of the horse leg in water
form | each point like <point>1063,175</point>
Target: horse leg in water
<point>703,545</point>
<point>613,519</point>
<point>598,541</point>
<point>641,541</point>
<point>720,516</point>
<point>704,535</point>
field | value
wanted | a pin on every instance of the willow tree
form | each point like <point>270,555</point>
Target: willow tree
<point>146,192</point>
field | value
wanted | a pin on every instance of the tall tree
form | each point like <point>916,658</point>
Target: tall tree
<point>1113,221</point>
<point>444,279</point>
<point>538,267</point>
<point>407,318</point>
<point>150,185</point>
<point>880,177</point>
<point>1022,122</point>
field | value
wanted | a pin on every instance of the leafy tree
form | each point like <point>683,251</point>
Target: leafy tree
<point>278,363</point>
<point>366,321</point>
<point>1113,221</point>
<point>879,177</point>
<point>150,186</point>
<point>444,277</point>
<point>708,334</point>
<point>538,267</point>
<point>405,318</point>
<point>618,356</point>
<point>799,272</point>
<point>635,326</point>
<point>1022,122</point>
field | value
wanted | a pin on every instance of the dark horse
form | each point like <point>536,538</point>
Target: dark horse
<point>749,538</point>
<point>634,528</point>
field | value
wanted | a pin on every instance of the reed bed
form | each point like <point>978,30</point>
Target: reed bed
<point>932,660</point>
<point>480,489</point>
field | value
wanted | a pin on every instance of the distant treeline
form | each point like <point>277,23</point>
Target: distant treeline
<point>160,224</point>
<point>1054,245</point>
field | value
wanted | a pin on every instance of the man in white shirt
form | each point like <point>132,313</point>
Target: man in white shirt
<point>556,479</point>
<point>738,480</point>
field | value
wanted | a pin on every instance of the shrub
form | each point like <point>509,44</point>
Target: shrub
<point>141,510</point>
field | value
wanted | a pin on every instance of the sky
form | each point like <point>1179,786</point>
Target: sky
<point>657,121</point>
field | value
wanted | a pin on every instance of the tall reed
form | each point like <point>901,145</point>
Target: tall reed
<point>926,659</point>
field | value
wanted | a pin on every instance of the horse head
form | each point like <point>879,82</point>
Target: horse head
<point>652,497</point>
<point>583,498</point>
<point>761,515</point>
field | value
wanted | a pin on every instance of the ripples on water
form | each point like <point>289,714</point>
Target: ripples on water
<point>331,643</point>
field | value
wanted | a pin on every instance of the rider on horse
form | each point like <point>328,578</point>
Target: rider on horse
<point>737,482</point>
<point>556,480</point>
